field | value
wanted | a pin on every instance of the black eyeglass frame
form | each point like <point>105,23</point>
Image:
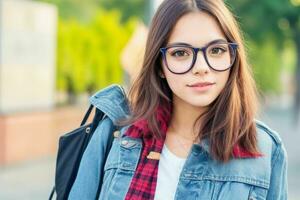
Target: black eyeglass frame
<point>195,50</point>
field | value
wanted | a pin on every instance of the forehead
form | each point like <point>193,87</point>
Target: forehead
<point>196,28</point>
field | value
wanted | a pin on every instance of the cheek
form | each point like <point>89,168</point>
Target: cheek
<point>222,79</point>
<point>174,81</point>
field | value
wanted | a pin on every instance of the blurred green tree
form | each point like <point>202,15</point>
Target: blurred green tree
<point>90,40</point>
<point>266,65</point>
<point>84,11</point>
<point>88,55</point>
<point>128,8</point>
<point>278,19</point>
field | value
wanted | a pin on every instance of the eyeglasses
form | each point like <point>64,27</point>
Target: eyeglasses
<point>180,58</point>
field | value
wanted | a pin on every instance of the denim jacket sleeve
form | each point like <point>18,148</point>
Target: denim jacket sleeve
<point>278,182</point>
<point>113,102</point>
<point>88,177</point>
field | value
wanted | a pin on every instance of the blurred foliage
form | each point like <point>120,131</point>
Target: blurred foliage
<point>128,8</point>
<point>91,36</point>
<point>267,26</point>
<point>84,11</point>
<point>266,65</point>
<point>263,18</point>
<point>88,55</point>
<point>289,56</point>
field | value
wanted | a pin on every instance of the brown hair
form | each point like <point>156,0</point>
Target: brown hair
<point>230,119</point>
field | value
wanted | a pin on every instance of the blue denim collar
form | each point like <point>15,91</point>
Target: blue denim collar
<point>112,100</point>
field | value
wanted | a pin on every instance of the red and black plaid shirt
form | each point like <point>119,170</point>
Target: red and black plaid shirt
<point>143,184</point>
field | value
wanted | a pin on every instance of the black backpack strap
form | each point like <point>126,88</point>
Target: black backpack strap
<point>99,115</point>
<point>52,193</point>
<point>87,114</point>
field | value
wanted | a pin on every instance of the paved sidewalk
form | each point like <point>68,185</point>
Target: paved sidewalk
<point>32,180</point>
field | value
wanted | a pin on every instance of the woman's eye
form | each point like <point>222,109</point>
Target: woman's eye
<point>179,53</point>
<point>217,50</point>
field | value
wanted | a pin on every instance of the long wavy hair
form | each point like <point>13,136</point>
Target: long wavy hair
<point>230,118</point>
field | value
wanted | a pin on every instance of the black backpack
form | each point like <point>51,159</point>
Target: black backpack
<point>70,151</point>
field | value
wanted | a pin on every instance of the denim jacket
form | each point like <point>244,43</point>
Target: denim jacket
<point>201,177</point>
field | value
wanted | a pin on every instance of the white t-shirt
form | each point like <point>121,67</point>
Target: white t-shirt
<point>169,169</point>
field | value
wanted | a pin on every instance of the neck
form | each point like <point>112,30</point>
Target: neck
<point>183,118</point>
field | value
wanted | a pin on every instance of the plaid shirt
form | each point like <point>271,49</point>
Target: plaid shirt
<point>143,184</point>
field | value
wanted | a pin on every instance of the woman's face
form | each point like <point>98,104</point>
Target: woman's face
<point>196,29</point>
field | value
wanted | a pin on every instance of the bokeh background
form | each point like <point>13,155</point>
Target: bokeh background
<point>54,54</point>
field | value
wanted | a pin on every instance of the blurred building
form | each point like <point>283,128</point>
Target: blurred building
<point>27,78</point>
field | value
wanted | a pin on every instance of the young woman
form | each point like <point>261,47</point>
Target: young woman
<point>187,128</point>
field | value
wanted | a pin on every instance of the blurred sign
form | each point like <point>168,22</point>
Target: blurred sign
<point>133,53</point>
<point>27,55</point>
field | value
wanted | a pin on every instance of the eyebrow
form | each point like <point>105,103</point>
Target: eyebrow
<point>187,44</point>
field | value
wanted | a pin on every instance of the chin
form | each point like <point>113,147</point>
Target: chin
<point>200,103</point>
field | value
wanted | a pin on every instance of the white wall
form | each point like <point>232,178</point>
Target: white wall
<point>27,55</point>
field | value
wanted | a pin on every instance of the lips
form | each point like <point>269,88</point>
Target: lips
<point>201,84</point>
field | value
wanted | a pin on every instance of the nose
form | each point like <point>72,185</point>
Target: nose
<point>200,65</point>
